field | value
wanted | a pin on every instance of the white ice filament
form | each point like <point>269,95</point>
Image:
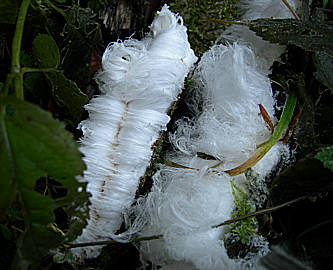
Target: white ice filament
<point>139,81</point>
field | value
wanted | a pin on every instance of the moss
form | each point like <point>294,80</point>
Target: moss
<point>202,34</point>
<point>245,228</point>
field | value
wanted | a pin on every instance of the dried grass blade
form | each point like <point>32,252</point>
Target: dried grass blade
<point>176,165</point>
<point>291,9</point>
<point>285,119</point>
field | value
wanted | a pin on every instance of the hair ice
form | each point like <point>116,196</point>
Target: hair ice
<point>183,205</point>
<point>139,81</point>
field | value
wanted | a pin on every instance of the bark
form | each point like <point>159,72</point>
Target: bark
<point>125,17</point>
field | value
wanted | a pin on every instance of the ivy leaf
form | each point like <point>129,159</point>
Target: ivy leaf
<point>326,157</point>
<point>46,51</point>
<point>33,145</point>
<point>8,11</point>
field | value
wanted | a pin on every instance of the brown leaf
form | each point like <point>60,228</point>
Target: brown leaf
<point>266,117</point>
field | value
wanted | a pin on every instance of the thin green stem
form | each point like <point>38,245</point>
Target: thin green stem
<point>16,49</point>
<point>29,70</point>
<point>18,86</point>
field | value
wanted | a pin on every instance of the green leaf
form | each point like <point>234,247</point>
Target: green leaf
<point>65,91</point>
<point>68,94</point>
<point>34,242</point>
<point>46,51</point>
<point>25,59</point>
<point>309,35</point>
<point>8,11</point>
<point>7,172</point>
<point>39,144</point>
<point>34,245</point>
<point>326,157</point>
<point>33,145</point>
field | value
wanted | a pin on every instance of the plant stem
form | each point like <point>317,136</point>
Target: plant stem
<point>263,211</point>
<point>291,9</point>
<point>226,22</point>
<point>154,237</point>
<point>99,243</point>
<point>29,70</point>
<point>16,49</point>
<point>176,165</point>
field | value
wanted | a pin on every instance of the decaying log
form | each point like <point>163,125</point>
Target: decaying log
<point>123,17</point>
